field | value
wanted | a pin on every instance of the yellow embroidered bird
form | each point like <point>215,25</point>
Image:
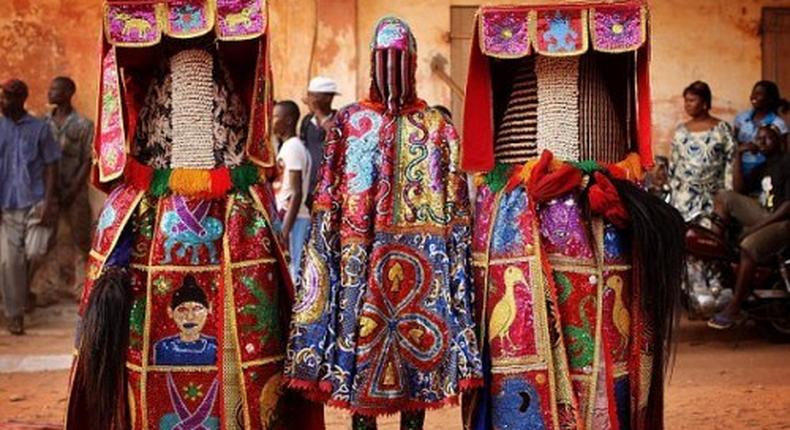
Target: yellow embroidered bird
<point>620,314</point>
<point>504,312</point>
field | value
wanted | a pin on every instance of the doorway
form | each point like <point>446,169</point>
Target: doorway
<point>776,47</point>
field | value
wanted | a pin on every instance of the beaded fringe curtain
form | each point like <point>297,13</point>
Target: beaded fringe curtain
<point>605,105</point>
<point>516,140</point>
<point>193,105</point>
<point>558,105</point>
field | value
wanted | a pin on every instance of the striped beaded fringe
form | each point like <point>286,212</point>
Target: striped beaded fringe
<point>516,137</point>
<point>192,116</point>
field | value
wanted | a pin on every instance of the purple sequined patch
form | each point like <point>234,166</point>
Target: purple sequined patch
<point>505,34</point>
<point>618,29</point>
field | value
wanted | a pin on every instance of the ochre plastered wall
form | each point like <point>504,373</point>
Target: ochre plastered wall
<point>714,40</point>
<point>40,39</point>
<point>311,38</point>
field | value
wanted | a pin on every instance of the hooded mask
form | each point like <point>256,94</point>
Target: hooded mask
<point>393,65</point>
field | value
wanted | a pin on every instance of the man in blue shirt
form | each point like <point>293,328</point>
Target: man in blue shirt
<point>28,170</point>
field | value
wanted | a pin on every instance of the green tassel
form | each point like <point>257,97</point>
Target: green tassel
<point>160,185</point>
<point>244,176</point>
<point>587,166</point>
<point>497,178</point>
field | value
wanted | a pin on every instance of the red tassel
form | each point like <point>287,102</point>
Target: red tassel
<point>545,185</point>
<point>138,175</point>
<point>220,182</point>
<point>605,201</point>
<point>618,172</point>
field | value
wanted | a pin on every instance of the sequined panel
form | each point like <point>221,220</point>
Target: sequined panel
<point>112,150</point>
<point>189,232</point>
<point>562,229</point>
<point>618,28</point>
<point>504,33</point>
<point>520,401</point>
<point>512,330</point>
<point>112,219</point>
<point>189,18</point>
<point>176,399</point>
<point>132,25</point>
<point>560,32</point>
<point>617,313</point>
<point>241,19</point>
<point>260,324</point>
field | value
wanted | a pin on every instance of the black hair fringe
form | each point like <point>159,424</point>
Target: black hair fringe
<point>100,374</point>
<point>658,233</point>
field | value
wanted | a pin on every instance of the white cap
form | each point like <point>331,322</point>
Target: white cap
<point>321,84</point>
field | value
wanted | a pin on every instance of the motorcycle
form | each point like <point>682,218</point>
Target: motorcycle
<point>768,304</point>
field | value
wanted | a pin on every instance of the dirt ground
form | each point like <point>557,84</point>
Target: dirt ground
<point>733,381</point>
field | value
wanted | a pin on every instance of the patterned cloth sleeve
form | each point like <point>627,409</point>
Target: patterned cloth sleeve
<point>459,253</point>
<point>320,259</point>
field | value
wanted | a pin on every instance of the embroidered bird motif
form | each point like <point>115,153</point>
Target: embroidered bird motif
<point>620,314</point>
<point>504,312</point>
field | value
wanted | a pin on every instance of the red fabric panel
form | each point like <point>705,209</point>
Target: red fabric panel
<point>477,148</point>
<point>644,107</point>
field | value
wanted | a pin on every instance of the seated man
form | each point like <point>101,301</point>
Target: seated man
<point>766,223</point>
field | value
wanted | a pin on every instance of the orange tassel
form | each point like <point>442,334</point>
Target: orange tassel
<point>190,182</point>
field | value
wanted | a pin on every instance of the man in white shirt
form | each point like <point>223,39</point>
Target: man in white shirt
<point>294,163</point>
<point>320,93</point>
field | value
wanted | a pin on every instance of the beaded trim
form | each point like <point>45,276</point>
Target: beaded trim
<point>192,115</point>
<point>558,106</point>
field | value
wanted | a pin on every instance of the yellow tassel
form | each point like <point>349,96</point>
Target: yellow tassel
<point>190,182</point>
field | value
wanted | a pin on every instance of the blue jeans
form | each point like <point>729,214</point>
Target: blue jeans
<point>297,240</point>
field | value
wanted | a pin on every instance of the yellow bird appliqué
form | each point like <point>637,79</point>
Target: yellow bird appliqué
<point>504,312</point>
<point>620,314</point>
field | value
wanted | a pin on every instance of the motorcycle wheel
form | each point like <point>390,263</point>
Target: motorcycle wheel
<point>776,325</point>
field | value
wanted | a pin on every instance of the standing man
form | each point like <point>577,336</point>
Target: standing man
<point>320,93</point>
<point>74,133</point>
<point>28,171</point>
<point>293,161</point>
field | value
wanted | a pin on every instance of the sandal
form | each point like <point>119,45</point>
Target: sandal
<point>720,321</point>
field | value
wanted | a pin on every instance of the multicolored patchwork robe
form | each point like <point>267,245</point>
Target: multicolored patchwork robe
<point>568,344</point>
<point>383,319</point>
<point>231,377</point>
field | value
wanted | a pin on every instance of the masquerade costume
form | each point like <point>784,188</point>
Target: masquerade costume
<point>187,299</point>
<point>383,319</point>
<point>576,269</point>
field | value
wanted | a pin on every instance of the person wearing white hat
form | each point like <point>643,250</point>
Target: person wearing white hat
<point>320,93</point>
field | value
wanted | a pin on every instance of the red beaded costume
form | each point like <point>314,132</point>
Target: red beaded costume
<point>186,275</point>
<point>576,268</point>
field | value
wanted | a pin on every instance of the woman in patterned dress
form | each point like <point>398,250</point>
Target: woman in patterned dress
<point>700,166</point>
